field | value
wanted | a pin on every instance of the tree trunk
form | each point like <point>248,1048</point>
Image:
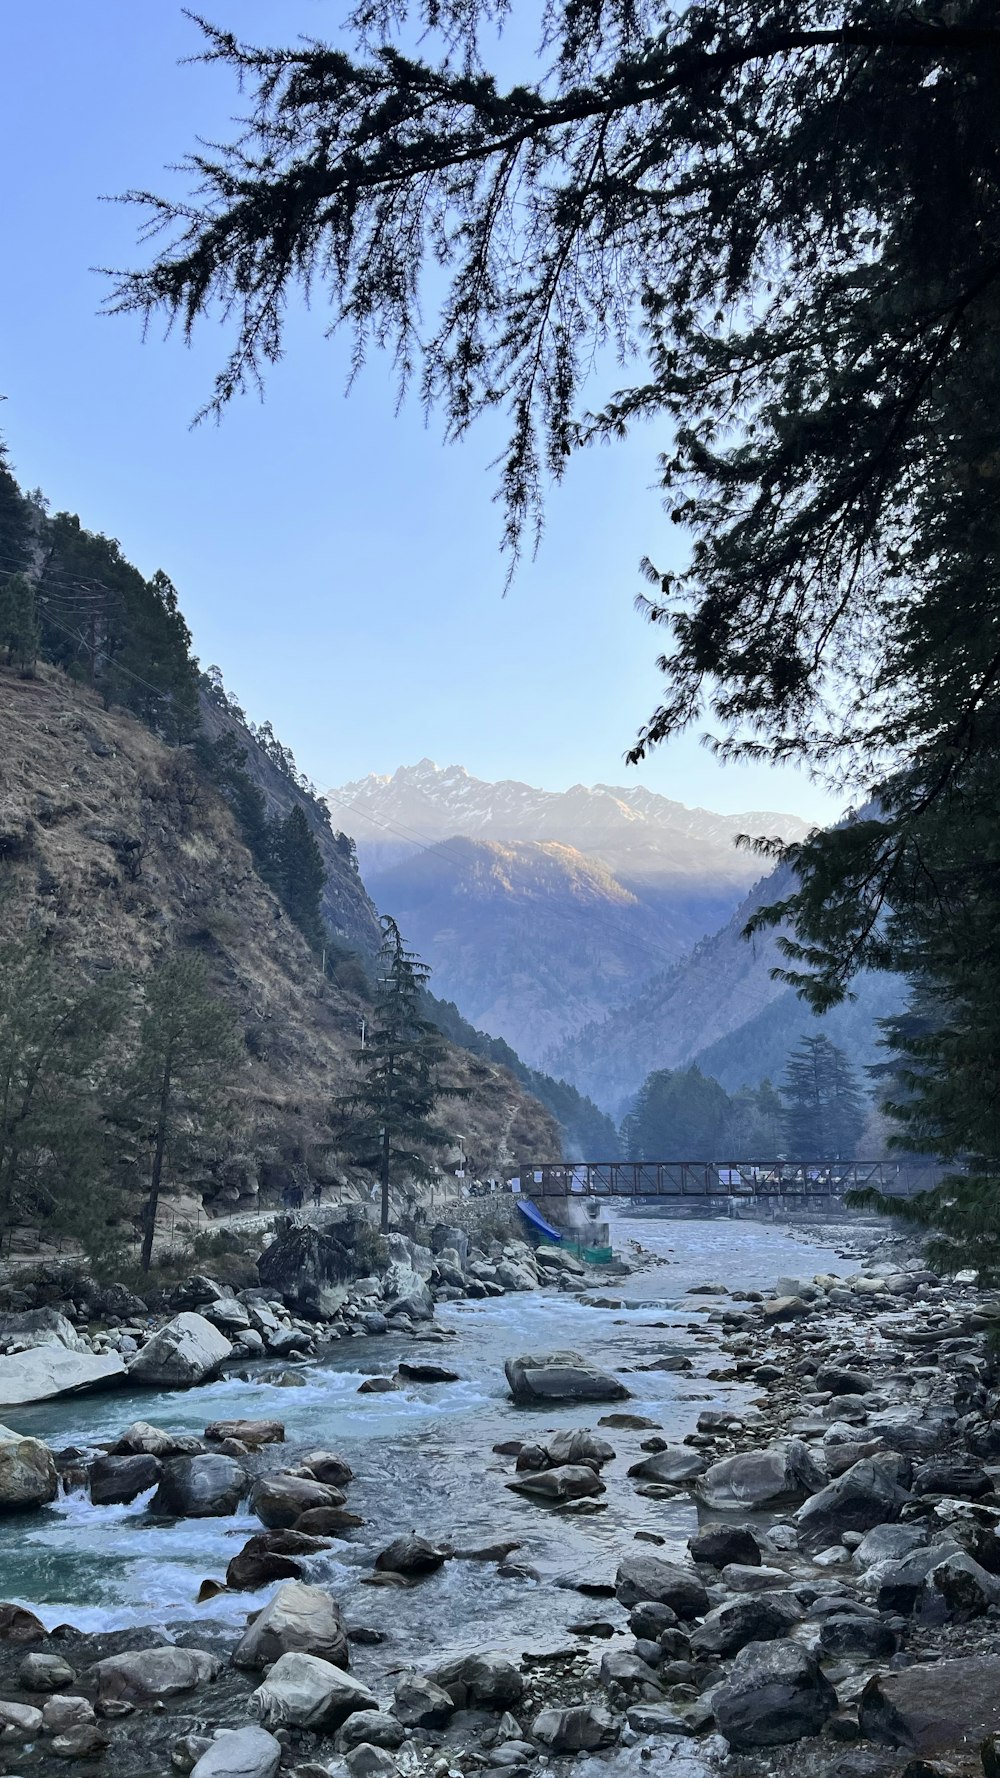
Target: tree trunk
<point>384,1170</point>
<point>157,1169</point>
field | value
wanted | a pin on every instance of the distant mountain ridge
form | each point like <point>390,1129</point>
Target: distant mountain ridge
<point>539,910</point>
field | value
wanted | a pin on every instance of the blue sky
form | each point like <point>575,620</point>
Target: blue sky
<point>334,557</point>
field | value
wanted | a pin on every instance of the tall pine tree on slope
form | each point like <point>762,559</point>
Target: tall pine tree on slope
<point>388,1123</point>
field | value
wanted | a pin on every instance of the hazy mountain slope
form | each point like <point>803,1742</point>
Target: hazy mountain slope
<point>758,1049</point>
<point>118,848</point>
<point>530,940</point>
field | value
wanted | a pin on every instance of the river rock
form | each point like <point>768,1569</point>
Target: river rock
<point>114,1481</point>
<point>559,1376</point>
<point>207,1487</point>
<point>60,1714</point>
<point>19,1722</point>
<point>580,1728</point>
<point>577,1446</point>
<point>328,1467</point>
<point>327,1521</point>
<point>249,1432</point>
<point>27,1473</point>
<point>935,1708</point>
<point>753,1480</point>
<point>572,1481</point>
<point>420,1704</point>
<point>45,1673</point>
<point>626,1673</point>
<point>964,1586</point>
<point>270,1555</point>
<point>487,1681</point>
<point>775,1693</point>
<point>719,1545</point>
<point>888,1543</point>
<point>641,1577</point>
<point>303,1691</point>
<point>678,1463</point>
<point>754,1617</point>
<point>141,1437</point>
<point>367,1761</point>
<point>186,1351</point>
<point>648,1620</point>
<point>961,1481</point>
<point>847,1633</point>
<point>50,1370</point>
<point>411,1555</point>
<point>834,1380</point>
<point>240,1753</point>
<point>299,1619</point>
<point>40,1327</point>
<point>867,1494</point>
<point>150,1674</point>
<point>279,1500</point>
<point>374,1726</point>
<point>17,1624</point>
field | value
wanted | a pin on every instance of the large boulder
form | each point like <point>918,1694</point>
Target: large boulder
<point>28,1475</point>
<point>249,1432</point>
<point>719,1545</point>
<point>755,1617</point>
<point>965,1587</point>
<point>114,1481</point>
<point>302,1691</point>
<point>421,1704</point>
<point>279,1500</point>
<point>305,1265</point>
<point>578,1445</point>
<point>375,1727</point>
<point>410,1555</point>
<point>186,1351</point>
<point>865,1495</point>
<point>40,1327</point>
<point>756,1480</point>
<point>559,1376</point>
<point>149,1674</point>
<point>299,1619</point>
<point>486,1681</point>
<point>270,1555</point>
<point>642,1577</point>
<point>48,1370</point>
<point>240,1753</point>
<point>775,1693</point>
<point>678,1463</point>
<point>935,1708</point>
<point>154,1442</point>
<point>207,1487</point>
<point>580,1728</point>
<point>571,1481</point>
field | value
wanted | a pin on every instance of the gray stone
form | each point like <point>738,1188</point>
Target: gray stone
<point>279,1500</point>
<point>28,1475</point>
<point>411,1555</point>
<point>678,1463</point>
<point>759,1479</point>
<point>489,1681</point>
<point>299,1619</point>
<point>719,1545</point>
<point>114,1481</point>
<point>964,1586</point>
<point>775,1693</point>
<point>19,1722</point>
<point>886,1543</point>
<point>240,1753</point>
<point>302,1691</point>
<point>46,1371</point>
<point>580,1728</point>
<point>420,1704</point>
<point>60,1714</point>
<point>736,1622</point>
<point>366,1761</point>
<point>149,1674</point>
<point>649,1619</point>
<point>629,1675</point>
<point>658,1719</point>
<point>572,1481</point>
<point>373,1726</point>
<point>866,1495</point>
<point>642,1577</point>
<point>578,1446</point>
<point>206,1487</point>
<point>45,1673</point>
<point>847,1633</point>
<point>188,1350</point>
<point>560,1376</point>
<point>934,1708</point>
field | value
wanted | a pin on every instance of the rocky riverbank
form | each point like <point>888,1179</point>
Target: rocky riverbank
<point>836,1611</point>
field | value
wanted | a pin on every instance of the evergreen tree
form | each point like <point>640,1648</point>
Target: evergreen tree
<point>177,1085</point>
<point>680,1114</point>
<point>823,1104</point>
<point>388,1124</point>
<point>300,875</point>
<point>59,1051</point>
<point>19,631</point>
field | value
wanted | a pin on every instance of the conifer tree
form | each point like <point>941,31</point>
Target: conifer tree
<point>19,629</point>
<point>300,874</point>
<point>823,1104</point>
<point>178,1084</point>
<point>388,1124</point>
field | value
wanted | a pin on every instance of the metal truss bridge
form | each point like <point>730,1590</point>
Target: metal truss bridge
<point>692,1180</point>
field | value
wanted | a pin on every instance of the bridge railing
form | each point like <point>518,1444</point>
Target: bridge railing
<point>713,1179</point>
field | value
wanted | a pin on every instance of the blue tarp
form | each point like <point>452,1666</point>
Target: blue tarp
<point>533,1215</point>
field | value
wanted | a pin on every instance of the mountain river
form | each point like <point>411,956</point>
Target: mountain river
<point>423,1461</point>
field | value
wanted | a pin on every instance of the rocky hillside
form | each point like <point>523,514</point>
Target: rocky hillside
<point>118,847</point>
